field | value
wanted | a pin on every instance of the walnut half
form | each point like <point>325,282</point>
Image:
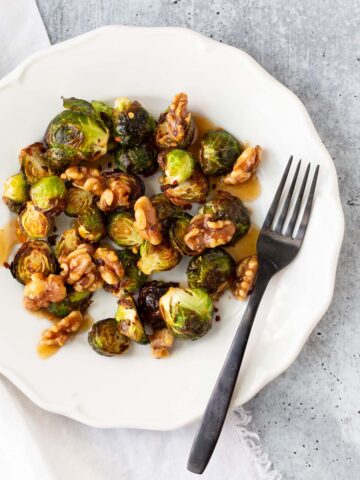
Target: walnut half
<point>79,270</point>
<point>246,275</point>
<point>161,341</point>
<point>87,178</point>
<point>59,333</point>
<point>42,290</point>
<point>245,166</point>
<point>205,232</point>
<point>116,194</point>
<point>146,221</point>
<point>109,265</point>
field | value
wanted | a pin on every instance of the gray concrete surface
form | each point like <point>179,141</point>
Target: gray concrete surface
<point>309,418</point>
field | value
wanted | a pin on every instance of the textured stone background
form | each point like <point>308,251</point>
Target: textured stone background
<point>309,418</point>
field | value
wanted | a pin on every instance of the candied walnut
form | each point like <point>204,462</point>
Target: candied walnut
<point>146,221</point>
<point>59,333</point>
<point>116,194</point>
<point>42,290</point>
<point>177,120</point>
<point>79,270</point>
<point>87,178</point>
<point>161,341</point>
<point>246,274</point>
<point>205,232</point>
<point>245,166</point>
<point>109,266</point>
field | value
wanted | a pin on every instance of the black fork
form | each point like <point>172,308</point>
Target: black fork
<point>275,249</point>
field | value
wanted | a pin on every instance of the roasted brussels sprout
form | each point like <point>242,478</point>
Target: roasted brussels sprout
<point>225,206</point>
<point>32,257</point>
<point>77,200</point>
<point>33,164</point>
<point>134,278</point>
<point>148,301</point>
<point>176,127</point>
<point>90,224</point>
<point>132,124</point>
<point>104,111</point>
<point>105,338</point>
<point>129,322</point>
<point>214,271</point>
<point>157,258</point>
<point>125,186</point>
<point>177,233</point>
<point>121,230</point>
<point>177,166</point>
<point>75,134</point>
<point>218,152</point>
<point>187,312</point>
<point>49,195</point>
<point>138,159</point>
<point>67,243</point>
<point>74,301</point>
<point>166,211</point>
<point>16,192</point>
<point>36,224</point>
<point>195,189</point>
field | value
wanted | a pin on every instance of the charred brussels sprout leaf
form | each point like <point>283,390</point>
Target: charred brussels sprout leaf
<point>121,230</point>
<point>177,233</point>
<point>33,164</point>
<point>73,301</point>
<point>105,338</point>
<point>77,200</point>
<point>218,152</point>
<point>90,224</point>
<point>67,243</point>
<point>133,183</point>
<point>32,257</point>
<point>36,224</point>
<point>49,195</point>
<point>177,166</point>
<point>157,258</point>
<point>134,278</point>
<point>148,301</point>
<point>187,312</point>
<point>225,206</point>
<point>166,211</point>
<point>132,124</point>
<point>214,271</point>
<point>16,192</point>
<point>195,189</point>
<point>138,159</point>
<point>129,323</point>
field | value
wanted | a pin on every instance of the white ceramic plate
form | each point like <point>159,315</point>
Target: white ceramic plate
<point>229,87</point>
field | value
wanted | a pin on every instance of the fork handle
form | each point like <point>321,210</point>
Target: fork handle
<point>217,407</point>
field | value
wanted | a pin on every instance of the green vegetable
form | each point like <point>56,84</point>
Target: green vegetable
<point>148,301</point>
<point>67,243</point>
<point>33,257</point>
<point>134,278</point>
<point>177,232</point>
<point>77,200</point>
<point>121,230</point>
<point>35,224</point>
<point>187,312</point>
<point>16,192</point>
<point>218,152</point>
<point>105,338</point>
<point>166,211</point>
<point>138,159</point>
<point>90,224</point>
<point>214,270</point>
<point>73,301</point>
<point>129,322</point>
<point>33,164</point>
<point>195,189</point>
<point>49,195</point>
<point>157,258</point>
<point>177,166</point>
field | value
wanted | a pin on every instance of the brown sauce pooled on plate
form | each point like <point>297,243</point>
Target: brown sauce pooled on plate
<point>9,237</point>
<point>246,246</point>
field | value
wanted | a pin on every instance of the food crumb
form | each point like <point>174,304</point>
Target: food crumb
<point>6,265</point>
<point>217,318</point>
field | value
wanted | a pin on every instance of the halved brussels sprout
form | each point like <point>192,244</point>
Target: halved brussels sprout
<point>90,224</point>
<point>49,195</point>
<point>195,189</point>
<point>218,152</point>
<point>134,184</point>
<point>187,312</point>
<point>75,134</point>
<point>74,301</point>
<point>33,164</point>
<point>105,338</point>
<point>214,270</point>
<point>166,211</point>
<point>33,257</point>
<point>177,166</point>
<point>157,258</point>
<point>138,159</point>
<point>134,278</point>
<point>67,243</point>
<point>129,322</point>
<point>177,233</point>
<point>36,224</point>
<point>148,302</point>
<point>225,206</point>
<point>104,111</point>
<point>16,192</point>
<point>176,127</point>
<point>132,124</point>
<point>77,200</point>
<point>121,230</point>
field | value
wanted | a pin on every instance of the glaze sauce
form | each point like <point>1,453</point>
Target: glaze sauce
<point>246,246</point>
<point>10,236</point>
